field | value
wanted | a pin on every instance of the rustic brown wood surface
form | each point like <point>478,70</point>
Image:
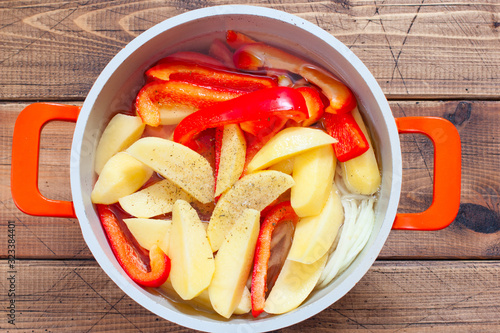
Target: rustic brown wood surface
<point>430,58</point>
<point>411,296</point>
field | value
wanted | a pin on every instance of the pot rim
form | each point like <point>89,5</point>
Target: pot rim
<point>273,322</point>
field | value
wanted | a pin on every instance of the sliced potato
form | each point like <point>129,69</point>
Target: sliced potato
<point>173,116</point>
<point>255,191</point>
<point>233,263</point>
<point>183,166</point>
<point>121,132</point>
<point>287,143</point>
<point>232,158</point>
<point>122,175</point>
<point>361,174</point>
<point>313,173</point>
<point>295,282</point>
<point>149,232</point>
<point>245,304</point>
<point>190,253</point>
<point>154,200</point>
<point>285,166</point>
<point>314,235</point>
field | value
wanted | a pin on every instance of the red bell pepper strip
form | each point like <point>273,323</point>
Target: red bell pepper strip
<point>351,140</point>
<point>314,104</point>
<point>257,127</point>
<point>177,95</point>
<point>220,51</point>
<point>279,101</point>
<point>279,213</point>
<point>236,39</point>
<point>209,76</point>
<point>128,256</point>
<point>259,55</point>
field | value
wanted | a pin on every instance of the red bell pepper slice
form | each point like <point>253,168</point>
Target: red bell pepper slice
<point>351,140</point>
<point>277,214</point>
<point>236,39</point>
<point>128,255</point>
<point>220,51</point>
<point>258,126</point>
<point>209,76</point>
<point>315,105</point>
<point>259,55</point>
<point>177,95</point>
<point>278,101</point>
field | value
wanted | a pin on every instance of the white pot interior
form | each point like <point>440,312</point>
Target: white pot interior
<point>117,86</point>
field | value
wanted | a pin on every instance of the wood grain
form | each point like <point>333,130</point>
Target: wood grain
<point>431,58</point>
<point>412,296</point>
<point>474,234</point>
<point>415,49</point>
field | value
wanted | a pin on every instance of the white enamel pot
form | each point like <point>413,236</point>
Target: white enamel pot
<point>120,81</point>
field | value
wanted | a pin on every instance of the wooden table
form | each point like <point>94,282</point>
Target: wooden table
<point>430,58</point>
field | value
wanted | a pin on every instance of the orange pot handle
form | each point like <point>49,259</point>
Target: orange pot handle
<point>25,153</point>
<point>447,173</point>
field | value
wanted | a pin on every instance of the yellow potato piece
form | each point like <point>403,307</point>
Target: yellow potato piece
<point>255,191</point>
<point>314,235</point>
<point>190,253</point>
<point>287,143</point>
<point>361,174</point>
<point>295,282</point>
<point>121,132</point>
<point>122,175</point>
<point>313,173</point>
<point>149,232</point>
<point>183,166</point>
<point>173,116</point>
<point>154,200</point>
<point>233,263</point>
<point>285,166</point>
<point>232,158</point>
<point>245,304</point>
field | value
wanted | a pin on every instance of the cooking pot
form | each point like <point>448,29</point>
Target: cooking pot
<point>120,81</point>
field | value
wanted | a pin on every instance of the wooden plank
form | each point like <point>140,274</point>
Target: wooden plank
<point>412,296</point>
<point>415,49</point>
<point>474,234</point>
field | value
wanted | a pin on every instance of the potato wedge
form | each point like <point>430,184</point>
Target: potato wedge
<point>255,191</point>
<point>149,232</point>
<point>232,158</point>
<point>285,166</point>
<point>361,174</point>
<point>122,175</point>
<point>154,200</point>
<point>233,263</point>
<point>313,173</point>
<point>314,235</point>
<point>287,143</point>
<point>183,166</point>
<point>121,132</point>
<point>190,253</point>
<point>295,282</point>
